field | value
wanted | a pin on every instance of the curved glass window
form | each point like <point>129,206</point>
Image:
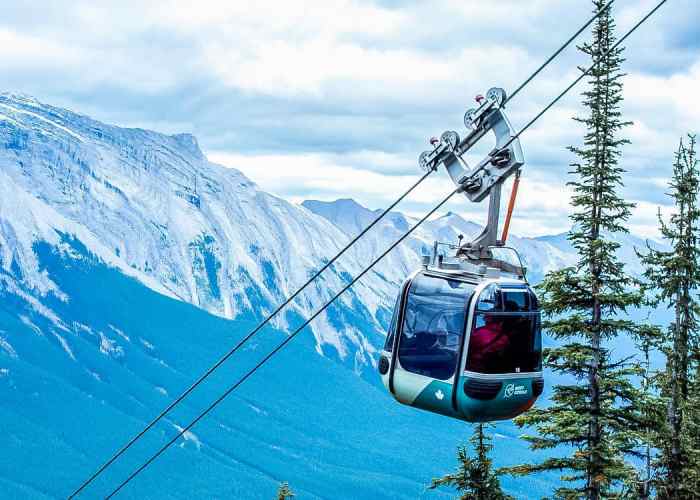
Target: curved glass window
<point>434,321</point>
<point>506,336</point>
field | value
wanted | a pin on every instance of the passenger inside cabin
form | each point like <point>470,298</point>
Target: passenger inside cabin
<point>488,345</point>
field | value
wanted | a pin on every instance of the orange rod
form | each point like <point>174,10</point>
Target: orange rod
<point>511,204</point>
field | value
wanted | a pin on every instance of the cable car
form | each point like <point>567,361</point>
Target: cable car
<point>465,336</point>
<point>464,344</point>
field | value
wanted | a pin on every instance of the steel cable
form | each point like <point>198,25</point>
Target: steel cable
<point>345,288</point>
<point>245,339</point>
<point>253,332</point>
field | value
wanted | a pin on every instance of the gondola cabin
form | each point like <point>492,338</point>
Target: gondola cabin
<point>465,342</point>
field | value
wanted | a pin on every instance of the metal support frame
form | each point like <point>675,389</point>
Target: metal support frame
<point>478,248</point>
<point>486,178</point>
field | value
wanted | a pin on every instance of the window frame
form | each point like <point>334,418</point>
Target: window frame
<point>474,311</point>
<point>394,325</point>
<point>468,300</point>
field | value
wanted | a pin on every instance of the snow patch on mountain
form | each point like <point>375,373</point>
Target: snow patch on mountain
<point>5,346</point>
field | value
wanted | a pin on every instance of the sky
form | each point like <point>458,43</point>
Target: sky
<point>336,99</point>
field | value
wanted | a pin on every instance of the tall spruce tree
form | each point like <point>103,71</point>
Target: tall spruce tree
<point>596,416</point>
<point>693,428</point>
<point>643,484</point>
<point>474,477</point>
<point>675,276</point>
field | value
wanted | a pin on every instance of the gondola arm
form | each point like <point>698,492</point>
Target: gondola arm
<point>486,178</point>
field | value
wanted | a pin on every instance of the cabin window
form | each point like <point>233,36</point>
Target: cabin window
<point>433,325</point>
<point>506,334</point>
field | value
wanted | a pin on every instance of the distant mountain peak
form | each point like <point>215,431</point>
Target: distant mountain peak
<point>190,143</point>
<point>454,216</point>
<point>82,127</point>
<point>19,96</point>
<point>340,203</point>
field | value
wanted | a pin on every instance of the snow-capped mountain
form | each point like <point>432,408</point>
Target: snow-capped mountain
<point>154,207</point>
<point>540,255</point>
<point>108,238</point>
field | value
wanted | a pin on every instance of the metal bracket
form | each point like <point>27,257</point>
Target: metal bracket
<point>486,177</point>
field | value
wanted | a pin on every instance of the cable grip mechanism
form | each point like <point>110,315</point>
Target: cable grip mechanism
<point>486,177</point>
<point>501,162</point>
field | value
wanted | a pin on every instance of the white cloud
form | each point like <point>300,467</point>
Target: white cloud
<point>336,98</point>
<point>309,173</point>
<point>23,51</point>
<point>669,100</point>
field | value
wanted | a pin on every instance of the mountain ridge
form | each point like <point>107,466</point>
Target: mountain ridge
<point>152,205</point>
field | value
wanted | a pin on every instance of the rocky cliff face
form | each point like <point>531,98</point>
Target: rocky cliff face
<point>152,206</point>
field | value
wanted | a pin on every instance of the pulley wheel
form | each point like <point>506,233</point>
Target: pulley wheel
<point>497,94</point>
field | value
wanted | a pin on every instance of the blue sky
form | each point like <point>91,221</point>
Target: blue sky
<point>332,99</point>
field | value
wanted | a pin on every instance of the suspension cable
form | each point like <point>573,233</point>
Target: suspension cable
<point>240,343</point>
<point>584,73</point>
<point>264,322</point>
<point>346,287</point>
<point>282,344</point>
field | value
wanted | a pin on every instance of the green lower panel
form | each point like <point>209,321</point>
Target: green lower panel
<point>512,398</point>
<point>437,398</point>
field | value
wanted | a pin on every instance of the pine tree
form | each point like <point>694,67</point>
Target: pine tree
<point>642,484</point>
<point>474,477</point>
<point>284,491</point>
<point>675,275</point>
<point>596,418</point>
<point>693,428</point>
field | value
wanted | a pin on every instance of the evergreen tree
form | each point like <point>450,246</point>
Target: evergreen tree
<point>474,477</point>
<point>284,491</point>
<point>675,275</point>
<point>693,429</point>
<point>642,485</point>
<point>596,417</point>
